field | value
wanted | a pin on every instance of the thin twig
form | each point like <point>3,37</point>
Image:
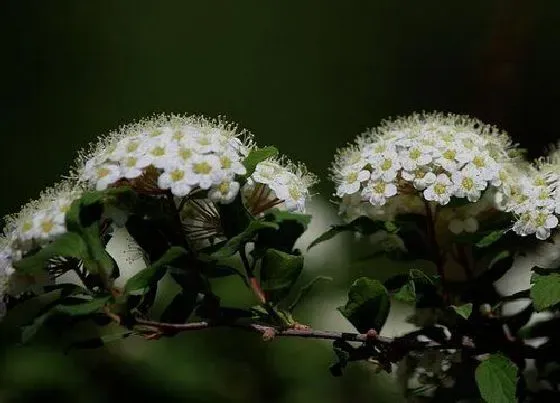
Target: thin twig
<point>306,332</point>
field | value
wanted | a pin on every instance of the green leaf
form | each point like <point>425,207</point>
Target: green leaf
<point>305,290</point>
<point>180,308</point>
<point>496,378</point>
<point>256,156</point>
<point>153,273</point>
<point>407,293</point>
<point>290,227</point>
<point>279,272</point>
<point>29,331</point>
<point>489,239</point>
<point>463,310</point>
<point>66,245</point>
<point>545,291</point>
<point>232,246</point>
<point>368,305</point>
<point>279,216</point>
<point>85,308</point>
<point>362,225</point>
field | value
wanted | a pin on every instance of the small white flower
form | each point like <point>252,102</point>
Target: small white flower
<point>160,151</point>
<point>265,172</point>
<point>351,181</point>
<point>224,193</point>
<point>48,225</point>
<point>420,178</point>
<point>386,166</point>
<point>128,146</point>
<point>133,166</point>
<point>106,175</point>
<point>447,158</point>
<point>231,164</point>
<point>204,171</point>
<point>416,156</point>
<point>294,195</point>
<point>468,183</point>
<point>379,191</point>
<point>174,177</point>
<point>485,166</point>
<point>441,190</point>
<point>207,142</point>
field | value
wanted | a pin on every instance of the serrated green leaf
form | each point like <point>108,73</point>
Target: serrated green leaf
<point>407,293</point>
<point>368,305</point>
<point>489,239</point>
<point>257,155</point>
<point>496,378</point>
<point>463,310</point>
<point>85,308</point>
<point>233,245</point>
<point>153,273</point>
<point>66,245</point>
<point>279,272</point>
<point>362,225</point>
<point>545,291</point>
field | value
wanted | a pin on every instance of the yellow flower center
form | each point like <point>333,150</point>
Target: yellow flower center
<point>352,177</point>
<point>204,141</point>
<point>158,151</point>
<point>387,164</point>
<point>294,192</point>
<point>131,162</point>
<point>27,226</point>
<point>177,175</point>
<point>541,219</point>
<point>224,187</point>
<point>544,195</point>
<point>467,183</point>
<point>225,161</point>
<point>439,188</point>
<point>414,154</point>
<point>380,187</point>
<point>379,148</point>
<point>478,161</point>
<point>156,133</point>
<point>178,135</point>
<point>540,181</point>
<point>185,153</point>
<point>132,146</point>
<point>103,172</point>
<point>47,226</point>
<point>449,154</point>
<point>202,168</point>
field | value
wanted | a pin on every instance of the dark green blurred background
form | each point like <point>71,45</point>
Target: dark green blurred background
<point>306,76</point>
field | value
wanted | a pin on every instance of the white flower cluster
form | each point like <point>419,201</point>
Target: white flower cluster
<point>441,156</point>
<point>187,153</point>
<point>278,183</point>
<point>40,221</point>
<point>528,192</point>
